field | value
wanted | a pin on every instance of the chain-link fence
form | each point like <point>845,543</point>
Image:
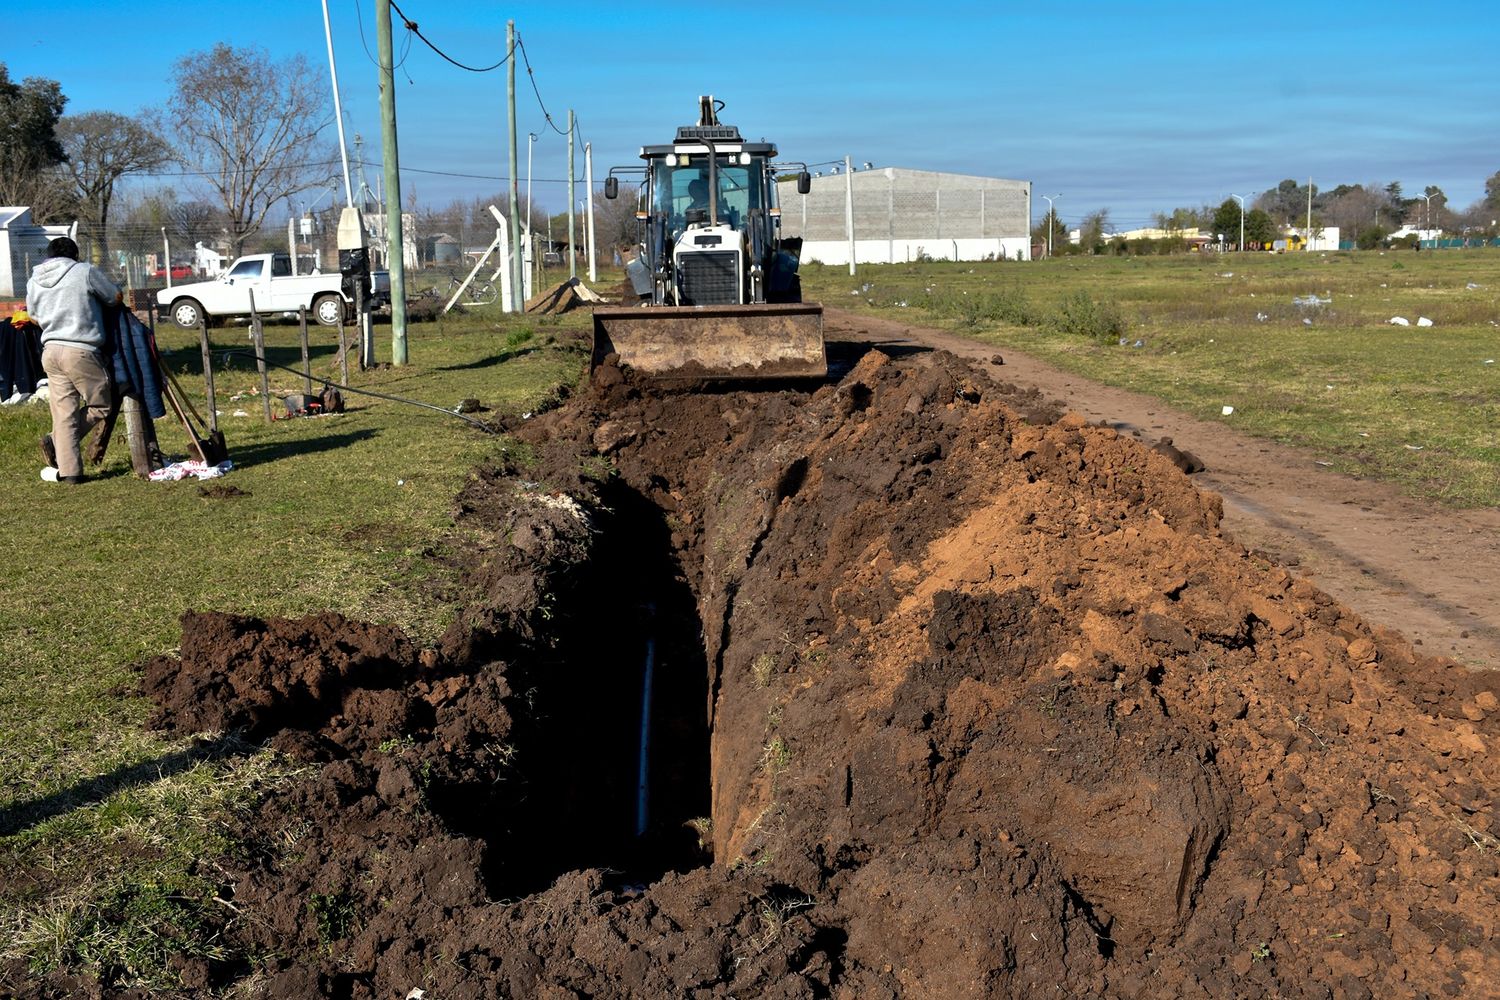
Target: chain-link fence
<point>904,215</point>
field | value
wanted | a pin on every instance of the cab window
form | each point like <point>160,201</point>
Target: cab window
<point>248,269</point>
<point>281,266</point>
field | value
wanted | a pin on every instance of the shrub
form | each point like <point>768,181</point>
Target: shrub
<point>1080,315</point>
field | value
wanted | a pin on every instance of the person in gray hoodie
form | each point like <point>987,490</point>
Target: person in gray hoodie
<point>67,299</point>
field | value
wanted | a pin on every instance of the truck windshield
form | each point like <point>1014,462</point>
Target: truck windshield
<point>677,189</point>
<point>247,269</point>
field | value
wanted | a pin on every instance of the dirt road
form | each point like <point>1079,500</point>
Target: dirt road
<point>1413,565</point>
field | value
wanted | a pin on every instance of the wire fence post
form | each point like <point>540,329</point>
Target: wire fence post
<point>306,365</point>
<point>260,357</point>
<point>208,373</point>
<point>343,354</point>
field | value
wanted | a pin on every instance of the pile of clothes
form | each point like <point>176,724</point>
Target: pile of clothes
<point>21,374</point>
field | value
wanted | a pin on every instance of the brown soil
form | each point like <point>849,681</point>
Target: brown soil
<point>959,703</point>
<point>1426,569</point>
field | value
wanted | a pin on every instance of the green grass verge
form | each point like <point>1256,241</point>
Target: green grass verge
<point>1418,406</point>
<point>108,830</point>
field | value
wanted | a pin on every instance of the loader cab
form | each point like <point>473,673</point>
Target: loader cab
<point>679,189</point>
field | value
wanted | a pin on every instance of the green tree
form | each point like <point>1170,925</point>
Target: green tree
<point>1226,220</point>
<point>29,148</point>
<point>1492,192</point>
<point>1053,225</point>
<point>1370,237</point>
<point>1259,227</point>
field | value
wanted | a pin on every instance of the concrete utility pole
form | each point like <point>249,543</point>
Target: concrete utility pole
<point>530,241</point>
<point>338,111</point>
<point>1308,244</point>
<point>1241,200</point>
<point>572,244</point>
<point>849,209</point>
<point>517,298</point>
<point>395,258</point>
<point>588,183</point>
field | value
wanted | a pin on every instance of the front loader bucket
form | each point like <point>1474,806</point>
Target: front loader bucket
<point>688,343</point>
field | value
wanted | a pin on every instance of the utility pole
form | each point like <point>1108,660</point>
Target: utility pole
<point>517,299</point>
<point>572,246</point>
<point>338,111</point>
<point>1308,244</point>
<point>588,183</point>
<point>530,241</point>
<point>849,209</point>
<point>395,258</point>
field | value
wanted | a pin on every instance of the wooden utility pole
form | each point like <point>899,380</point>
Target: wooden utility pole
<point>395,257</point>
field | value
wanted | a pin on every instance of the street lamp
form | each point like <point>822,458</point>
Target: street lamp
<point>1051,218</point>
<point>1241,199</point>
<point>1427,198</point>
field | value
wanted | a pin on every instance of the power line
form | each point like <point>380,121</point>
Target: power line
<point>531,75</point>
<point>412,27</point>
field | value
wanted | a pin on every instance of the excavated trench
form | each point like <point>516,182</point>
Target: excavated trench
<point>949,696</point>
<point>614,738</point>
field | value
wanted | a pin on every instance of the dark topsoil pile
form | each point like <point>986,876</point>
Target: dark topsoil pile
<point>959,704</point>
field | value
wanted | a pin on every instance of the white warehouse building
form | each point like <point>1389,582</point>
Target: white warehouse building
<point>904,215</point>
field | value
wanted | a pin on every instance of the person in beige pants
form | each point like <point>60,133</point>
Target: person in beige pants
<point>67,299</point>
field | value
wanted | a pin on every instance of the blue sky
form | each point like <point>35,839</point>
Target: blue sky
<point>1135,108</point>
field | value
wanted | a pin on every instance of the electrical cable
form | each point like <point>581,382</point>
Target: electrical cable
<point>412,27</point>
<point>328,384</point>
<point>531,75</point>
<point>359,20</point>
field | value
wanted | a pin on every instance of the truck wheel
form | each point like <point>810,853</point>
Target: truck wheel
<point>186,313</point>
<point>329,310</point>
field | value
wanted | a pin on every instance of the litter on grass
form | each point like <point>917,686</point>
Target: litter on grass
<point>190,468</point>
<point>1227,410</point>
<point>1399,321</point>
<point>1310,300</point>
<point>1423,321</point>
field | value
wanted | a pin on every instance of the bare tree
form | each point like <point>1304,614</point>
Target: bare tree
<point>615,225</point>
<point>102,147</point>
<point>252,128</point>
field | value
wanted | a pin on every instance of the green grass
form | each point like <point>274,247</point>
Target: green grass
<point>1416,406</point>
<point>105,825</point>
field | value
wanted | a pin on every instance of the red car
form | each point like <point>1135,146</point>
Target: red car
<point>178,271</point>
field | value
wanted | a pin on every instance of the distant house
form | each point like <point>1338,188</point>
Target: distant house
<point>23,245</point>
<point>207,261</point>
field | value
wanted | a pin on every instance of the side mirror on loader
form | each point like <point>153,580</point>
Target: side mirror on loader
<point>611,188</point>
<point>804,182</point>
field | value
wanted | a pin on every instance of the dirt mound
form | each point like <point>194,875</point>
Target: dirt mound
<point>959,705</point>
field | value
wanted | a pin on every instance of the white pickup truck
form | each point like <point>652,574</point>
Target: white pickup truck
<point>276,289</point>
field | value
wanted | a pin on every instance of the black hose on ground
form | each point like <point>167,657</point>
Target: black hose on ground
<point>328,384</point>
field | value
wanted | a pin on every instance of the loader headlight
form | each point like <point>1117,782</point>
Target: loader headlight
<point>670,159</point>
<point>744,159</point>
